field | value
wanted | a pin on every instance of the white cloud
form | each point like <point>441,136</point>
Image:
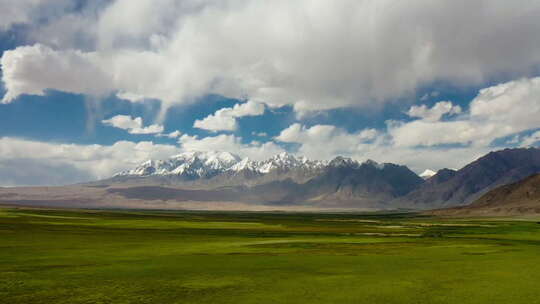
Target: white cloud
<point>33,162</point>
<point>15,12</point>
<point>33,69</point>
<point>249,108</point>
<point>531,140</point>
<point>230,143</point>
<point>425,133</point>
<point>90,161</point>
<point>132,125</point>
<point>217,122</point>
<point>430,95</point>
<point>434,113</point>
<point>124,122</point>
<point>326,141</point>
<point>515,103</point>
<point>497,111</point>
<point>260,134</point>
<point>23,11</point>
<point>173,134</point>
<point>31,172</point>
<point>151,129</point>
<point>28,162</point>
<point>312,54</point>
<point>225,119</point>
<point>130,96</point>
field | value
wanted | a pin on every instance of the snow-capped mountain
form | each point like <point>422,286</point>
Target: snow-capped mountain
<point>427,174</point>
<point>209,164</point>
<point>212,170</point>
<point>223,180</point>
<point>281,179</point>
<point>280,162</point>
<point>189,164</point>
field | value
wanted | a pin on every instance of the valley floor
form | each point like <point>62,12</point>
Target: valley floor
<point>67,256</point>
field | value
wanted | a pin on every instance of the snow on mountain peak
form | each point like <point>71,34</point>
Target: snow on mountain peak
<point>427,174</point>
<point>341,161</point>
<point>196,164</point>
<point>244,164</point>
<point>374,164</point>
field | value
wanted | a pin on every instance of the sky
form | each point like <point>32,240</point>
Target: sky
<point>90,88</point>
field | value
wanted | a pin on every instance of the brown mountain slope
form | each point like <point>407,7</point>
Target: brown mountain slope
<point>457,188</point>
<point>342,184</point>
<point>521,198</point>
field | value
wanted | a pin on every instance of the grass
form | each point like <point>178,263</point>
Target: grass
<point>62,256</point>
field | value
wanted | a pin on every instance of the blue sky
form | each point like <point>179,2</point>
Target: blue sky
<point>76,118</point>
<point>91,88</point>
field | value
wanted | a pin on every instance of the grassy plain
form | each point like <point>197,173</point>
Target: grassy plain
<point>67,256</point>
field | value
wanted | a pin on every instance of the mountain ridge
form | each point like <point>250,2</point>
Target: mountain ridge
<point>449,188</point>
<point>188,162</point>
<point>212,169</point>
<point>220,180</point>
<point>519,198</point>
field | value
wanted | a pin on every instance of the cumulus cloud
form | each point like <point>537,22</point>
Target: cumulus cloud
<point>312,54</point>
<point>151,129</point>
<point>434,113</point>
<point>372,144</point>
<point>29,162</point>
<point>326,141</point>
<point>225,119</point>
<point>130,96</point>
<point>249,108</point>
<point>531,140</point>
<point>31,172</point>
<point>430,95</point>
<point>497,111</point>
<point>174,134</point>
<point>227,142</point>
<point>23,11</point>
<point>319,55</point>
<point>132,125</point>
<point>429,142</point>
<point>17,12</point>
<point>260,134</point>
<point>33,69</point>
<point>217,122</point>
<point>80,162</point>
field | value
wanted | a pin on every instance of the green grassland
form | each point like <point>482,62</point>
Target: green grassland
<point>66,256</point>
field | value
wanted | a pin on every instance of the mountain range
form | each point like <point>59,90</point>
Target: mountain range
<point>222,180</point>
<point>280,180</point>
<point>218,169</point>
<point>450,188</point>
<point>522,197</point>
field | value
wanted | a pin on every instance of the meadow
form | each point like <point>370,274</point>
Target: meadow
<point>100,256</point>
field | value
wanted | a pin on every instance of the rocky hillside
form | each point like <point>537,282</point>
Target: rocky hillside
<point>280,180</point>
<point>218,169</point>
<point>521,198</point>
<point>450,188</point>
<point>221,180</point>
